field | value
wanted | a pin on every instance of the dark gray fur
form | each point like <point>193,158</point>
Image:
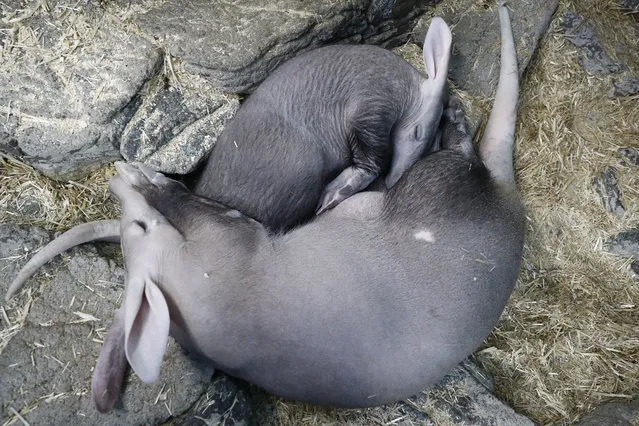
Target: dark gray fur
<point>318,114</point>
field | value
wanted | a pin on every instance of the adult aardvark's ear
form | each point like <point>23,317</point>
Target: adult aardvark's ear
<point>145,233</point>
<point>108,374</point>
<point>146,326</point>
<point>437,46</point>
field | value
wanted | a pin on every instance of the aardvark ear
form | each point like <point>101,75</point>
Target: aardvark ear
<point>108,374</point>
<point>437,45</point>
<point>146,327</point>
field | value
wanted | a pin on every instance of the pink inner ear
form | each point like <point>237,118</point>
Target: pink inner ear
<point>146,328</point>
<point>437,49</point>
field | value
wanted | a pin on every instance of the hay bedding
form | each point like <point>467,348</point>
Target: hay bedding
<point>569,338</point>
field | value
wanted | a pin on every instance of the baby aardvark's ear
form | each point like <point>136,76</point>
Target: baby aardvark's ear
<point>437,47</point>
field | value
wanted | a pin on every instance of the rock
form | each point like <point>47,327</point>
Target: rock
<point>626,87</point>
<point>593,57</point>
<point>238,43</point>
<point>624,244</point>
<point>464,397</point>
<point>607,188</point>
<point>17,245</point>
<point>227,401</point>
<point>613,414</point>
<point>631,7</point>
<point>69,93</point>
<point>174,129</point>
<point>631,154</point>
<point>47,364</point>
<point>474,65</point>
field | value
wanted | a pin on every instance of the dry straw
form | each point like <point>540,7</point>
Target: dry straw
<point>569,339</point>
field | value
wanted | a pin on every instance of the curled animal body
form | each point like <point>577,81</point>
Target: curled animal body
<point>326,124</point>
<point>369,303</point>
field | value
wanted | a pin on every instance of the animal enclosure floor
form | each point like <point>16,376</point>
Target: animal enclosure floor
<point>569,338</point>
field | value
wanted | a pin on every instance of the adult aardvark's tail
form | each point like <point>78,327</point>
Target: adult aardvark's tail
<point>105,230</point>
<point>496,146</point>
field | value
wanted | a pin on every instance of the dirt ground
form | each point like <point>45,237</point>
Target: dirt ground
<point>569,338</point>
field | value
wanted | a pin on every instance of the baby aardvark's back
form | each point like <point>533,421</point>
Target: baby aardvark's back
<point>316,115</point>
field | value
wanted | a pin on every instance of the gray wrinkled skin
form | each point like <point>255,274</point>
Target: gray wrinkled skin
<point>343,311</point>
<point>369,303</point>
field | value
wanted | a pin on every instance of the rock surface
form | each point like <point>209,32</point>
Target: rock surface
<point>175,128</point>
<point>613,414</point>
<point>68,93</point>
<point>238,43</point>
<point>47,362</point>
<point>631,154</point>
<point>625,87</point>
<point>624,244</point>
<point>474,65</point>
<point>630,7</point>
<point>593,57</point>
<point>607,188</point>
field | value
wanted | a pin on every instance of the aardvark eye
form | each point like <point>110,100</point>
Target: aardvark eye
<point>140,224</point>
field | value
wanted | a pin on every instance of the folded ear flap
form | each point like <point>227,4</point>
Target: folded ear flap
<point>437,46</point>
<point>108,374</point>
<point>146,328</point>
